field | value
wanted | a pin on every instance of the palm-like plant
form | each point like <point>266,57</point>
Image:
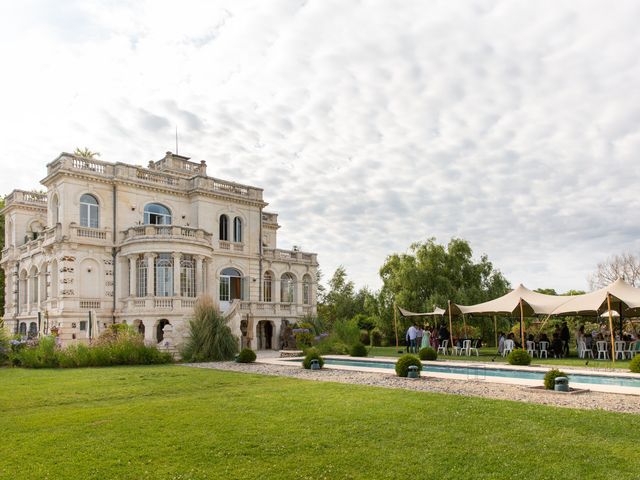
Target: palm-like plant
<point>85,153</point>
<point>210,338</point>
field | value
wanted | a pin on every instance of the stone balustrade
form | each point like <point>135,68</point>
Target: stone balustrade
<point>293,256</point>
<point>164,232</point>
<point>26,198</point>
<point>173,304</point>
<point>274,309</point>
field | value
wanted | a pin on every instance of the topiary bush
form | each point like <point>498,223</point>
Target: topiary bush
<point>404,362</point>
<point>428,353</point>
<point>550,378</point>
<point>359,350</point>
<point>312,354</point>
<point>519,357</point>
<point>634,365</point>
<point>246,356</point>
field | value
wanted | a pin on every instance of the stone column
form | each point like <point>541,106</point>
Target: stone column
<point>133,271</point>
<point>177,257</point>
<point>151,274</point>
<point>199,275</point>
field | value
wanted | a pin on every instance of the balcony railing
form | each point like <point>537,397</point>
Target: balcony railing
<point>274,308</point>
<point>178,304</point>
<point>156,232</point>
<point>290,256</point>
<point>25,197</point>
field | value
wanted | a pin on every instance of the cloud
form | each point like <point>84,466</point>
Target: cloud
<point>511,124</point>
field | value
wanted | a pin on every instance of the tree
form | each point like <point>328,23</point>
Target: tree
<point>86,153</point>
<point>338,303</point>
<point>625,265</point>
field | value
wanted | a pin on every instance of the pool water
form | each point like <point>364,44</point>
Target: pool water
<point>481,371</point>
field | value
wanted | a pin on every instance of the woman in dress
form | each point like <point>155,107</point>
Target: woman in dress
<point>426,338</point>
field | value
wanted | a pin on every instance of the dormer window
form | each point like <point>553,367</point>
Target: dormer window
<point>156,214</point>
<point>89,211</point>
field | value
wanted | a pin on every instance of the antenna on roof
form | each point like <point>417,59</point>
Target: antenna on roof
<point>176,140</point>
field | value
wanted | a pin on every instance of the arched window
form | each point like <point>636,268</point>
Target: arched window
<point>141,276</point>
<point>231,285</point>
<point>224,227</point>
<point>187,276</point>
<point>22,287</point>
<point>33,330</point>
<point>55,210</point>
<point>267,286</point>
<point>156,214</point>
<point>237,230</point>
<point>164,275</point>
<point>23,329</point>
<point>33,286</point>
<point>287,288</point>
<point>89,211</point>
<point>306,289</point>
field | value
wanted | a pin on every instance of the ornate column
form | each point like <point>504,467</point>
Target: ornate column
<point>132,274</point>
<point>177,257</point>
<point>199,275</point>
<point>151,274</point>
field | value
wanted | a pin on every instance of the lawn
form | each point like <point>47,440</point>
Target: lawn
<point>174,422</point>
<point>488,354</point>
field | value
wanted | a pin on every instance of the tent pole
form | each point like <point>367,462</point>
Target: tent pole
<point>522,323</point>
<point>395,321</point>
<point>450,325</point>
<point>621,318</point>
<point>495,329</point>
<point>464,321</point>
<point>613,342</point>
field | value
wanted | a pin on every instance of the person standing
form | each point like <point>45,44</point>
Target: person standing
<point>565,336</point>
<point>419,334</point>
<point>426,338</point>
<point>412,333</point>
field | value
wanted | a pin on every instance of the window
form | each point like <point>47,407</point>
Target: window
<point>187,276</point>
<point>287,288</point>
<point>224,227</point>
<point>89,211</point>
<point>267,286</point>
<point>156,214</point>
<point>231,285</point>
<point>55,209</point>
<point>33,287</point>
<point>23,329</point>
<point>306,290</point>
<point>83,325</point>
<point>237,230</point>
<point>141,276</point>
<point>164,275</point>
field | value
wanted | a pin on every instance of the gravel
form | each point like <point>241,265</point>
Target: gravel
<point>588,401</point>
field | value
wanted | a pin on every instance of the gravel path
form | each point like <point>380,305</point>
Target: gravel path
<point>588,401</point>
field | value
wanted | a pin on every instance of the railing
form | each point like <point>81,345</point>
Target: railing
<point>224,245</point>
<point>139,303</point>
<point>152,231</point>
<point>188,302</point>
<point>272,308</point>
<point>238,247</point>
<point>289,256</point>
<point>166,303</point>
<point>89,304</point>
<point>23,196</point>
<point>88,164</point>
<point>87,233</point>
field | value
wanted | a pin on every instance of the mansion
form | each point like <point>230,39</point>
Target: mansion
<point>117,243</point>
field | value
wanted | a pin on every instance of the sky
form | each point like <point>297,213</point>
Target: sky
<point>370,125</point>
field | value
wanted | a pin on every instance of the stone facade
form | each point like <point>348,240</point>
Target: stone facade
<point>114,243</point>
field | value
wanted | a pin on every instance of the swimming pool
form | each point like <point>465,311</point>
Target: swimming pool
<point>480,372</point>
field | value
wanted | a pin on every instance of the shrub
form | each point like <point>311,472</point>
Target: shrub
<point>404,362</point>
<point>634,365</point>
<point>246,356</point>
<point>550,378</point>
<point>210,338</point>
<point>312,354</point>
<point>5,346</point>
<point>364,337</point>
<point>347,331</point>
<point>304,335</point>
<point>332,344</point>
<point>42,354</point>
<point>359,350</point>
<point>375,337</point>
<point>427,353</point>
<point>519,357</point>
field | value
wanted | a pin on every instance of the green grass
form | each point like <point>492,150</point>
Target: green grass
<point>174,422</point>
<point>489,354</point>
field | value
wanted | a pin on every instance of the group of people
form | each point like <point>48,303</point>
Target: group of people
<point>418,337</point>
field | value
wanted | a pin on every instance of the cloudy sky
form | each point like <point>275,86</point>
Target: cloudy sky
<point>370,124</point>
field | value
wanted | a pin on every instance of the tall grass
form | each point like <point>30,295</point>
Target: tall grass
<point>210,338</point>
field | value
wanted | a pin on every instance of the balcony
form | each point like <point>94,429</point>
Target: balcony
<point>166,304</point>
<point>292,256</point>
<point>230,246</point>
<point>273,309</point>
<point>165,232</point>
<point>96,236</point>
<point>34,199</point>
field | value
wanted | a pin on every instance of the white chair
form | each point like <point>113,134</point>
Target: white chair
<point>443,348</point>
<point>543,350</point>
<point>531,348</point>
<point>603,352</point>
<point>456,349</point>
<point>466,347</point>
<point>620,349</point>
<point>474,347</point>
<point>631,351</point>
<point>583,350</point>
<point>509,345</point>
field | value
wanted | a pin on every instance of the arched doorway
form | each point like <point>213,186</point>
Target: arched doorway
<point>265,335</point>
<point>139,326</point>
<point>159,329</point>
